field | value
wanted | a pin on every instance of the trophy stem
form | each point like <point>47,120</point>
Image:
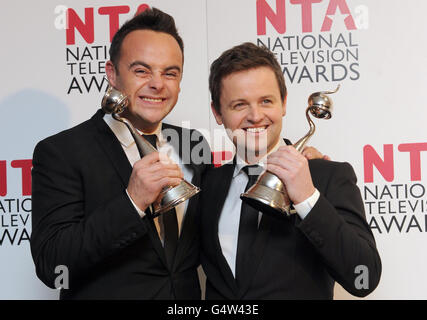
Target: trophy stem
<point>115,102</point>
<point>144,147</point>
<point>169,197</point>
<point>300,144</point>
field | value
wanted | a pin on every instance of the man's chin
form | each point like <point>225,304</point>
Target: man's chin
<point>153,116</point>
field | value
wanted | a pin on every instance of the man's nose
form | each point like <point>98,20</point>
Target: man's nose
<point>156,81</point>
<point>255,114</point>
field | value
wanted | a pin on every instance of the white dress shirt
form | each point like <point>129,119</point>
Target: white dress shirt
<point>228,225</point>
<point>129,147</point>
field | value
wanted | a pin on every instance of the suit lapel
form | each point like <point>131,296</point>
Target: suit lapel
<point>114,151</point>
<point>112,148</point>
<point>219,186</point>
<point>189,228</point>
<point>254,257</point>
<point>157,244</point>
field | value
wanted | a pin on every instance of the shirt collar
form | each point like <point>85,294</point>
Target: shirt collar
<point>240,163</point>
<point>123,134</point>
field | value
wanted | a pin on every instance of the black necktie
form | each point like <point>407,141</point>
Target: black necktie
<point>169,219</point>
<point>151,138</point>
<point>170,223</point>
<point>248,225</point>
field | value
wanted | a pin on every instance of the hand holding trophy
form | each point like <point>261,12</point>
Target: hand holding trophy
<point>114,102</point>
<point>269,194</point>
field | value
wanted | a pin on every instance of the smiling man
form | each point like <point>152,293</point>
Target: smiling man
<point>248,254</point>
<point>252,114</point>
<point>149,71</point>
<point>92,190</point>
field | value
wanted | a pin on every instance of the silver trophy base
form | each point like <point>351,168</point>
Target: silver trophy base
<point>267,200</point>
<point>268,195</point>
<point>173,196</point>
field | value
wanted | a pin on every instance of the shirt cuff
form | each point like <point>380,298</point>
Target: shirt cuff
<point>303,208</point>
<point>140,212</point>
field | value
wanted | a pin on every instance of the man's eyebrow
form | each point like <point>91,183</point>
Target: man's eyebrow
<point>243,100</point>
<point>268,96</point>
<point>177,68</point>
<point>141,63</point>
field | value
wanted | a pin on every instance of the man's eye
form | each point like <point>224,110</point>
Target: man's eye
<point>266,101</point>
<point>141,71</point>
<point>171,74</point>
<point>239,105</point>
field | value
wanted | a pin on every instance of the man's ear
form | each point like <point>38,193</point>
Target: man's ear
<point>216,114</point>
<point>110,70</point>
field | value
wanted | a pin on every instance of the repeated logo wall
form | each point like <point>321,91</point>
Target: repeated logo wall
<point>315,52</point>
<point>374,49</point>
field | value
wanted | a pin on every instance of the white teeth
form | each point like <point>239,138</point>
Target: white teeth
<point>152,99</point>
<point>255,130</point>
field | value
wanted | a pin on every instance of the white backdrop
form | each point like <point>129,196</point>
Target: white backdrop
<point>374,49</point>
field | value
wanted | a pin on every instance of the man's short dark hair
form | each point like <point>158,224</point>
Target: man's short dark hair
<point>150,19</point>
<point>239,58</point>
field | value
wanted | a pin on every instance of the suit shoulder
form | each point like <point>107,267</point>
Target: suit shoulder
<point>329,165</point>
<point>67,133</point>
<point>68,138</point>
<point>192,133</point>
<point>331,170</point>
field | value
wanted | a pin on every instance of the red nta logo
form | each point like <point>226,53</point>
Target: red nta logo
<point>385,165</point>
<point>25,165</point>
<point>86,26</point>
<point>278,18</point>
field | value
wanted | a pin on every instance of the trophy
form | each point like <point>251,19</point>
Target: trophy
<point>114,102</point>
<point>269,194</point>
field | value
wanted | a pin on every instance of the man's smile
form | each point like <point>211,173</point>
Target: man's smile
<point>152,99</point>
<point>255,129</point>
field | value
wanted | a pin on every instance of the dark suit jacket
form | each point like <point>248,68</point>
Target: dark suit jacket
<point>83,219</point>
<point>294,259</point>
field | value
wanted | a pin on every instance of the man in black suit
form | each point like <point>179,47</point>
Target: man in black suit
<point>248,254</point>
<point>92,192</point>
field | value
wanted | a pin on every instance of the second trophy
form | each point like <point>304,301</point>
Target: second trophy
<point>269,194</point>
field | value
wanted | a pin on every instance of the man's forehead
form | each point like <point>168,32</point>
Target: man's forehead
<point>257,78</point>
<point>149,37</point>
<point>152,48</point>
